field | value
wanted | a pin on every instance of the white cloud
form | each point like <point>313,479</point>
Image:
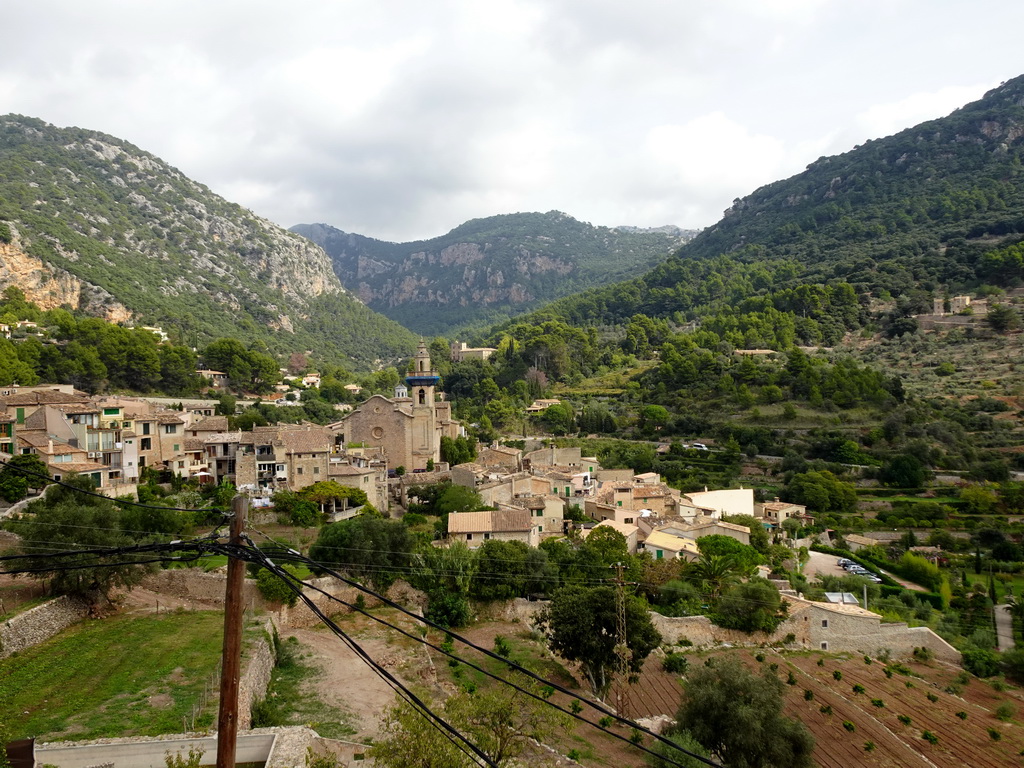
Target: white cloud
<point>401,119</point>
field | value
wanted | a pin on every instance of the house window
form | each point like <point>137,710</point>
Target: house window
<point>110,411</point>
<point>659,554</point>
<point>316,470</point>
<point>538,512</point>
<point>146,444</point>
<point>177,447</point>
<point>629,521</point>
<point>469,537</point>
<point>824,623</point>
<point>824,646</point>
<point>298,470</point>
<point>487,536</point>
<point>618,503</point>
<point>145,428</point>
<point>170,429</point>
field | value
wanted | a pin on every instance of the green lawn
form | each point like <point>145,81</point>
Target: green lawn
<point>121,676</point>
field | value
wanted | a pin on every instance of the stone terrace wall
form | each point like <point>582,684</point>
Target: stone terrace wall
<point>194,584</point>
<point>846,633</point>
<point>258,664</point>
<point>40,623</point>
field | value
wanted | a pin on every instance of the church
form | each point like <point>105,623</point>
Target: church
<point>408,426</point>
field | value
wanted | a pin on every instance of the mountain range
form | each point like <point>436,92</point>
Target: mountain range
<point>488,270</point>
<point>93,223</point>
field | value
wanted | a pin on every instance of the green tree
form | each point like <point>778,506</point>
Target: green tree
<point>714,573</point>
<point>754,606</point>
<point>746,557</point>
<point>903,472</point>
<point>20,473</point>
<point>737,715</point>
<point>758,533</point>
<point>821,491</point>
<point>67,520</point>
<point>581,625</point>
<point>366,546</point>
<point>1002,318</point>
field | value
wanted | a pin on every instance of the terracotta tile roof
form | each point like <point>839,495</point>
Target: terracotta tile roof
<point>492,521</point>
<point>77,466</point>
<point>211,424</point>
<point>306,440</point>
<point>41,442</point>
<point>169,418</point>
<point>663,540</point>
<point>43,397</point>
<point>72,410</point>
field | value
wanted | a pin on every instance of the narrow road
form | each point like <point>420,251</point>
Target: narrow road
<point>1004,628</point>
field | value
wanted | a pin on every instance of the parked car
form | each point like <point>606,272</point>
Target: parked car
<point>699,446</point>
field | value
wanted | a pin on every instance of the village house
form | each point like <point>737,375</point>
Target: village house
<point>474,528</point>
<point>460,352</point>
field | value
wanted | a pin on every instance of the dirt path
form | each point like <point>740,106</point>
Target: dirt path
<point>348,683</point>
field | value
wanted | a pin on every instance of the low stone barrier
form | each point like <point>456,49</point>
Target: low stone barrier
<point>40,623</point>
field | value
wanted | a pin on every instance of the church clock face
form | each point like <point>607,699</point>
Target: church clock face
<point>377,432</point>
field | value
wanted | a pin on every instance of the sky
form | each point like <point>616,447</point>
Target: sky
<point>401,119</point>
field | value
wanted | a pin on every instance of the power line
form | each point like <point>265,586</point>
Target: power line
<point>440,649</point>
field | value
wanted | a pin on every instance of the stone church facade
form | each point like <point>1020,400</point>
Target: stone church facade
<point>410,425</point>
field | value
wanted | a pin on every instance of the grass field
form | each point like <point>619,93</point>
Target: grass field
<point>120,676</point>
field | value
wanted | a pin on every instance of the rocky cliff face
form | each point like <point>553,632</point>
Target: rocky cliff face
<point>488,269</point>
<point>103,226</point>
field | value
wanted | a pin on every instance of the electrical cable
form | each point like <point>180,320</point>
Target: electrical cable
<point>128,502</point>
<point>296,557</point>
<point>433,718</point>
<point>285,575</point>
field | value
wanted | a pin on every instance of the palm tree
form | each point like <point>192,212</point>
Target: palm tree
<point>713,573</point>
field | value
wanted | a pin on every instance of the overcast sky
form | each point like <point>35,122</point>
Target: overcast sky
<point>400,119</point>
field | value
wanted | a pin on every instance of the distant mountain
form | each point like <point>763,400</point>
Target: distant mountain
<point>488,270</point>
<point>94,223</point>
<point>934,208</point>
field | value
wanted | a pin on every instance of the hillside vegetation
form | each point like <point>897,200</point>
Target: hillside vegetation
<point>146,242</point>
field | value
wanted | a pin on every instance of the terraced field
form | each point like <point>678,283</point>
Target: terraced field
<point>875,713</point>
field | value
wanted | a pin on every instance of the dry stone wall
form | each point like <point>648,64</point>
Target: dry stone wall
<point>259,665</point>
<point>40,623</point>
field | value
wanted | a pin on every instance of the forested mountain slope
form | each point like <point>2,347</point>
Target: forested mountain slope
<point>487,270</point>
<point>933,208</point>
<point>91,222</point>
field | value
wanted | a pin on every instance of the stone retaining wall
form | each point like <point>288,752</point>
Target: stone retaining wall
<point>40,623</point>
<point>194,584</point>
<point>812,625</point>
<point>258,664</point>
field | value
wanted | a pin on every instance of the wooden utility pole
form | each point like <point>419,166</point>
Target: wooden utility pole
<point>231,657</point>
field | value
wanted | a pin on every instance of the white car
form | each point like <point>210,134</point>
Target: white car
<point>699,446</point>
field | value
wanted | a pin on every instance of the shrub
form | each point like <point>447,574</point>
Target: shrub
<point>877,703</point>
<point>808,694</point>
<point>849,726</point>
<point>1005,711</point>
<point>994,734</point>
<point>275,589</point>
<point>675,663</point>
<point>858,688</point>
<point>791,679</point>
<point>606,721</point>
<point>923,654</point>
<point>903,719</point>
<point>636,737</point>
<point>502,647</point>
<point>575,706</point>
<point>684,642</point>
<point>821,662</point>
<point>962,715</point>
<point>981,661</point>
<point>825,709</point>
<point>953,689</point>
<point>838,675</point>
<point>867,659</point>
<point>869,746</point>
<point>930,737</point>
<point>759,657</point>
<point>932,698</point>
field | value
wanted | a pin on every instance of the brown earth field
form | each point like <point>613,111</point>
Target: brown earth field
<point>961,742</point>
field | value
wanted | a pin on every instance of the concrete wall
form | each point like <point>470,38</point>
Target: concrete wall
<point>40,623</point>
